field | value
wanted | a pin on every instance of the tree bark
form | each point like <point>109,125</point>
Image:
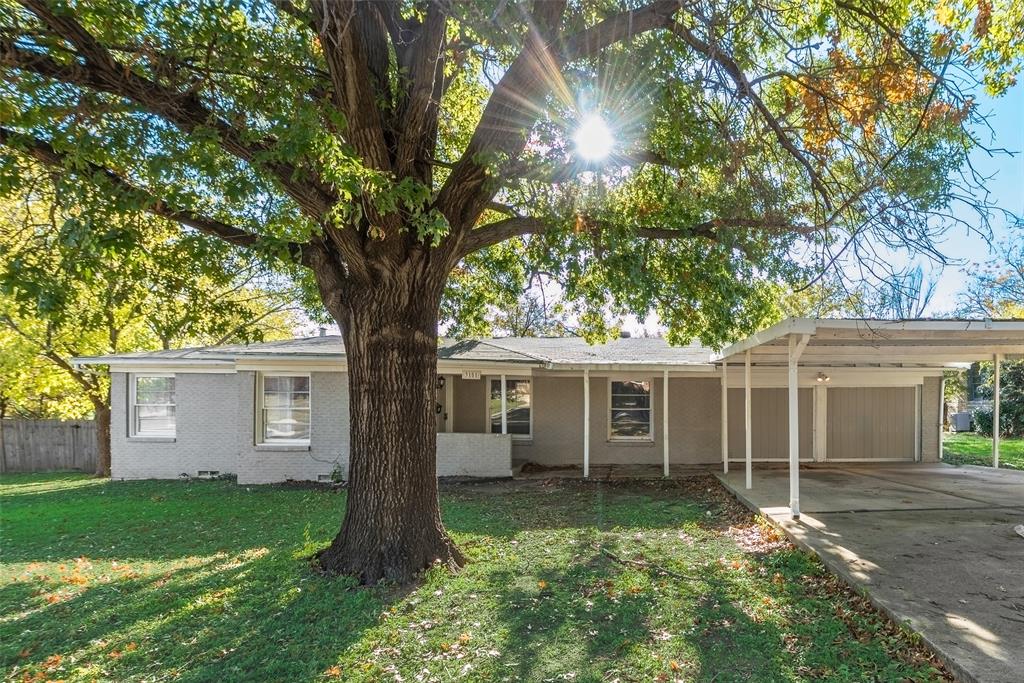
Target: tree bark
<point>392,528</point>
<point>102,438</point>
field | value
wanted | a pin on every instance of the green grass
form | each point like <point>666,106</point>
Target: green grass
<point>209,581</point>
<point>966,448</point>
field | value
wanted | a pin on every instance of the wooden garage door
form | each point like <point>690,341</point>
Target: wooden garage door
<point>769,418</point>
<point>871,423</point>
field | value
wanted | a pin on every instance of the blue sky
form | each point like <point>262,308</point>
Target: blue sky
<point>1006,183</point>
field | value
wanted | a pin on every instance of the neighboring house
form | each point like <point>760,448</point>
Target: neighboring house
<point>864,391</point>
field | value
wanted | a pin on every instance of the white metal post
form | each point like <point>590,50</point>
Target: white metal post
<point>449,403</point>
<point>795,349</point>
<point>747,422</point>
<point>504,407</point>
<point>586,424</point>
<point>664,419</point>
<point>725,415</point>
<point>942,408</point>
<point>995,413</point>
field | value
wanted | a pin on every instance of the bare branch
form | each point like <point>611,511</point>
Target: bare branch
<point>746,90</point>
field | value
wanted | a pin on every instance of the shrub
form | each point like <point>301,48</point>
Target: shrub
<point>1011,404</point>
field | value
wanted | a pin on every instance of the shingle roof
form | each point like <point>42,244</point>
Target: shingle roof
<point>528,350</point>
<point>576,351</point>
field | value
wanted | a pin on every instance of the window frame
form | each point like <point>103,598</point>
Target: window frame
<point>649,437</point>
<point>260,438</point>
<point>487,405</point>
<point>133,407</point>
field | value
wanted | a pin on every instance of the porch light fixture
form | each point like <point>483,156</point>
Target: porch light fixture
<point>822,378</point>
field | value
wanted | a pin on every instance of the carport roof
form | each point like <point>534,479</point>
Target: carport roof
<point>862,341</point>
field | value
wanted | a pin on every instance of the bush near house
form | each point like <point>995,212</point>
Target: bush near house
<point>1011,404</point>
<point>566,581</point>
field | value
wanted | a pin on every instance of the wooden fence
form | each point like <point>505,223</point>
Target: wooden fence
<point>47,445</point>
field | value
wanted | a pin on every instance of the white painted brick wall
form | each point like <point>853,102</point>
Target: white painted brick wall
<point>474,455</point>
<point>206,438</point>
<point>216,431</point>
<point>328,441</point>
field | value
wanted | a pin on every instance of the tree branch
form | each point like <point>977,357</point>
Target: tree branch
<point>518,226</point>
<point>557,173</point>
<point>99,70</point>
<point>746,90</point>
<point>516,103</point>
<point>352,71</point>
<point>44,152</point>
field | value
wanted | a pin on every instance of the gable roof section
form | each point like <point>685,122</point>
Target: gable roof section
<point>552,352</point>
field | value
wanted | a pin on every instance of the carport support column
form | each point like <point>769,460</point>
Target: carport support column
<point>796,347</point>
<point>504,407</point>
<point>995,412</point>
<point>747,422</point>
<point>664,420</point>
<point>586,424</point>
<point>725,415</point>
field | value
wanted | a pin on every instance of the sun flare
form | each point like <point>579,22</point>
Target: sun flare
<point>593,138</point>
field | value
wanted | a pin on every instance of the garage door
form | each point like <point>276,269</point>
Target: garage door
<point>871,423</point>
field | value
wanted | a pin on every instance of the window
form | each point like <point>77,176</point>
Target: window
<point>152,403</point>
<point>518,400</point>
<point>284,409</point>
<point>630,410</point>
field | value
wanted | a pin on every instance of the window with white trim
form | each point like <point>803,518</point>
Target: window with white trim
<point>630,409</point>
<point>283,411</point>
<point>152,405</point>
<point>518,406</point>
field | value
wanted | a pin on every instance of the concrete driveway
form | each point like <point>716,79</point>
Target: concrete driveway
<point>931,544</point>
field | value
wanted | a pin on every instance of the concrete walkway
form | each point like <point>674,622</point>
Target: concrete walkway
<point>931,544</point>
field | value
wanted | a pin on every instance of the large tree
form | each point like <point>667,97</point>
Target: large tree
<point>384,145</point>
<point>996,288</point>
<point>77,280</point>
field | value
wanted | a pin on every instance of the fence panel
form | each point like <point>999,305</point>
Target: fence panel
<point>48,445</point>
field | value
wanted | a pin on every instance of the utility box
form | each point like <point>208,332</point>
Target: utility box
<point>961,422</point>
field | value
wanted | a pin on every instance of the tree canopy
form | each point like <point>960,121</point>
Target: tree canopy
<point>78,280</point>
<point>744,132</point>
<point>404,149</point>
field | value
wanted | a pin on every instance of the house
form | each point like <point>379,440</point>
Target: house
<point>805,390</point>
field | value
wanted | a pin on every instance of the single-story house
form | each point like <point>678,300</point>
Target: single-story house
<point>805,390</point>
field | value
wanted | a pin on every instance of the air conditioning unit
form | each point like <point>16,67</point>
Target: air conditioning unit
<point>960,422</point>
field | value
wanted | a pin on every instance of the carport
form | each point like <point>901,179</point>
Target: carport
<point>830,353</point>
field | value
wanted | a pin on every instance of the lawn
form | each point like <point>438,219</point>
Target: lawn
<point>966,448</point>
<point>570,581</point>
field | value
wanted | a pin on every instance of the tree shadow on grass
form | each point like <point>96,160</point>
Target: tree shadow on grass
<point>250,616</point>
<point>600,620</point>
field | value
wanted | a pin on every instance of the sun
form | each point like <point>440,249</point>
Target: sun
<point>593,138</point>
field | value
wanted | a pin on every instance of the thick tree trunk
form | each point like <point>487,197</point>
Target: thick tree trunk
<point>102,411</point>
<point>392,528</point>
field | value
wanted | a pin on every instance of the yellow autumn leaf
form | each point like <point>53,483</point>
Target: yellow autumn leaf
<point>945,15</point>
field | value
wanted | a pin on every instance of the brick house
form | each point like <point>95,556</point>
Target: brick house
<point>853,390</point>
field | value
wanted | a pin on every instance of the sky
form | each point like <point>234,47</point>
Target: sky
<point>1006,184</point>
